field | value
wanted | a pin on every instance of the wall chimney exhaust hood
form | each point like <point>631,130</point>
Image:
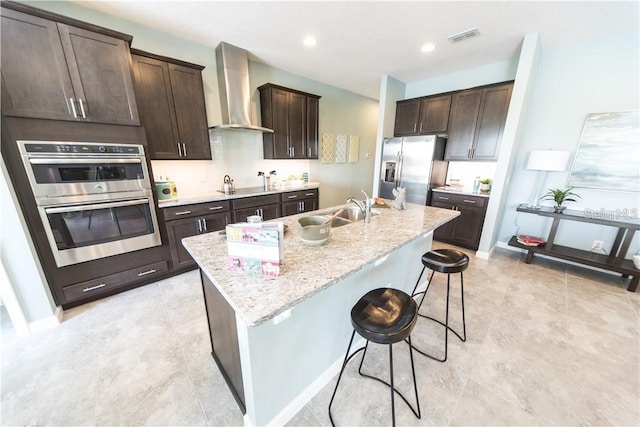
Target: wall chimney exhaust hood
<point>235,94</point>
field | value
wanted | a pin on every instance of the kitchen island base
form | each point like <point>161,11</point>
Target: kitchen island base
<point>276,367</point>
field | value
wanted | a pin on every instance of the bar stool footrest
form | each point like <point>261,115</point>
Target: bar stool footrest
<point>424,316</point>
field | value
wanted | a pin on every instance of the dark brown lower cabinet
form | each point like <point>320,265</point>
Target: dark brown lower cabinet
<point>190,220</point>
<point>296,202</point>
<point>267,206</point>
<point>466,229</point>
<point>224,339</point>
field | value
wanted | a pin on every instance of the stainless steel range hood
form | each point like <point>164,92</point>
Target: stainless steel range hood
<point>235,94</point>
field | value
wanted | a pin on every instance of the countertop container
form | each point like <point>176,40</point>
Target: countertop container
<point>313,230</point>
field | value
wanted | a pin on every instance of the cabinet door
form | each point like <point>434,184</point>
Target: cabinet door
<point>407,117</point>
<point>434,114</point>
<point>188,98</point>
<point>312,127</point>
<point>290,208</point>
<point>270,212</point>
<point>35,79</point>
<point>176,231</point>
<point>280,114</point>
<point>467,228</point>
<point>155,101</point>
<point>215,222</point>
<point>443,233</point>
<point>296,207</point>
<point>297,127</point>
<point>462,124</point>
<point>100,72</point>
<point>493,114</point>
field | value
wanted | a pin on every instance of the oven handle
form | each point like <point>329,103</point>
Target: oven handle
<point>79,208</point>
<point>47,161</point>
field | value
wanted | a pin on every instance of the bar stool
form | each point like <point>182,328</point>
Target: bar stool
<point>383,316</point>
<point>449,261</point>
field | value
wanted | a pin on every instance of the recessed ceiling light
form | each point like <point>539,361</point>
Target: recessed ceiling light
<point>428,47</point>
<point>310,41</point>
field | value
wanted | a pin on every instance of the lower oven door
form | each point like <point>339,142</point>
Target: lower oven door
<point>84,232</point>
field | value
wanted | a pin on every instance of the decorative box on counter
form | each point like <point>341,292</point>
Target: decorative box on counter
<point>256,248</point>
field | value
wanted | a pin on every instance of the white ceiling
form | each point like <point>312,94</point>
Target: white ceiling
<point>359,41</point>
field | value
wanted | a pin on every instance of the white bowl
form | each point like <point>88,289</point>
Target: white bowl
<point>636,261</point>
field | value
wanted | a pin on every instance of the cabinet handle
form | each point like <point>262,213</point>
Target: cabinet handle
<point>93,288</point>
<point>182,213</point>
<point>215,208</point>
<point>309,151</point>
<point>204,224</point>
<point>293,151</point>
<point>295,196</point>
<point>73,110</point>
<point>302,205</point>
<point>443,198</point>
<point>470,201</point>
<point>144,273</point>
<point>179,149</point>
<point>310,194</point>
<point>184,149</point>
<point>84,116</point>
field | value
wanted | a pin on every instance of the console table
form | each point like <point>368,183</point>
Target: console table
<point>615,261</point>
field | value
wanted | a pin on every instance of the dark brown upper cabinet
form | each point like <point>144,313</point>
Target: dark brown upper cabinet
<point>58,68</point>
<point>172,108</point>
<point>422,116</point>
<point>477,121</point>
<point>293,116</point>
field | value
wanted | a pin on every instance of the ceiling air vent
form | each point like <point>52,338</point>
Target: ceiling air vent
<point>454,38</point>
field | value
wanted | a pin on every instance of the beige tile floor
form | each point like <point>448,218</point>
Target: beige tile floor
<point>548,344</point>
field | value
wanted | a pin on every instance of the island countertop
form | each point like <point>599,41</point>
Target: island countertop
<point>308,270</point>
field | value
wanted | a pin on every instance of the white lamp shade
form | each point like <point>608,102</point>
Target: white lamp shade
<point>548,160</point>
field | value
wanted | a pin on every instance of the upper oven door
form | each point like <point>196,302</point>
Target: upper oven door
<point>56,177</point>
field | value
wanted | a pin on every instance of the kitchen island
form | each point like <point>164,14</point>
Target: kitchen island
<point>278,341</point>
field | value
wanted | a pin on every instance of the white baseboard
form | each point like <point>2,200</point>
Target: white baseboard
<point>284,416</point>
<point>47,322</point>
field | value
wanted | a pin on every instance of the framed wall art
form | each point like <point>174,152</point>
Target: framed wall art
<point>608,156</point>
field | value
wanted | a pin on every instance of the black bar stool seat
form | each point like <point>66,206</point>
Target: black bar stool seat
<point>383,316</point>
<point>446,261</point>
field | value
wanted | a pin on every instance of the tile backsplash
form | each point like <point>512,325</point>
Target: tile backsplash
<point>237,154</point>
<point>466,172</point>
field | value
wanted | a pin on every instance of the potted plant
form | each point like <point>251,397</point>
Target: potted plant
<point>485,185</point>
<point>559,197</point>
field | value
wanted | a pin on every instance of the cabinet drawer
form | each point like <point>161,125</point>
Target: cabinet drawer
<point>187,211</point>
<point>249,202</point>
<point>299,195</point>
<point>113,281</point>
<point>459,199</point>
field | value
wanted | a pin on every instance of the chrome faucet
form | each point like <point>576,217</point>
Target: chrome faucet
<point>365,206</point>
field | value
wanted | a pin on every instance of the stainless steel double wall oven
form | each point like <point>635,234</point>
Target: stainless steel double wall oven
<point>95,200</point>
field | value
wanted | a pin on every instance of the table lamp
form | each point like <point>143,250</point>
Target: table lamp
<point>545,161</point>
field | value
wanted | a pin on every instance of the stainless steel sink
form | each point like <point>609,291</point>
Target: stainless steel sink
<point>348,216</point>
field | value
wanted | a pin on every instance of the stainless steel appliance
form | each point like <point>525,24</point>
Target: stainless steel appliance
<point>95,200</point>
<point>415,163</point>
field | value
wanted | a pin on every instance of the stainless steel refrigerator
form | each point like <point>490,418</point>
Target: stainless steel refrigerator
<point>415,163</point>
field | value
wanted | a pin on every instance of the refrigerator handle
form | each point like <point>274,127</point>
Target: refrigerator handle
<point>396,174</point>
<point>399,170</point>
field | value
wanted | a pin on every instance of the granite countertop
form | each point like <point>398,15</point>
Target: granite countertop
<point>460,190</point>
<point>216,196</point>
<point>309,269</point>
